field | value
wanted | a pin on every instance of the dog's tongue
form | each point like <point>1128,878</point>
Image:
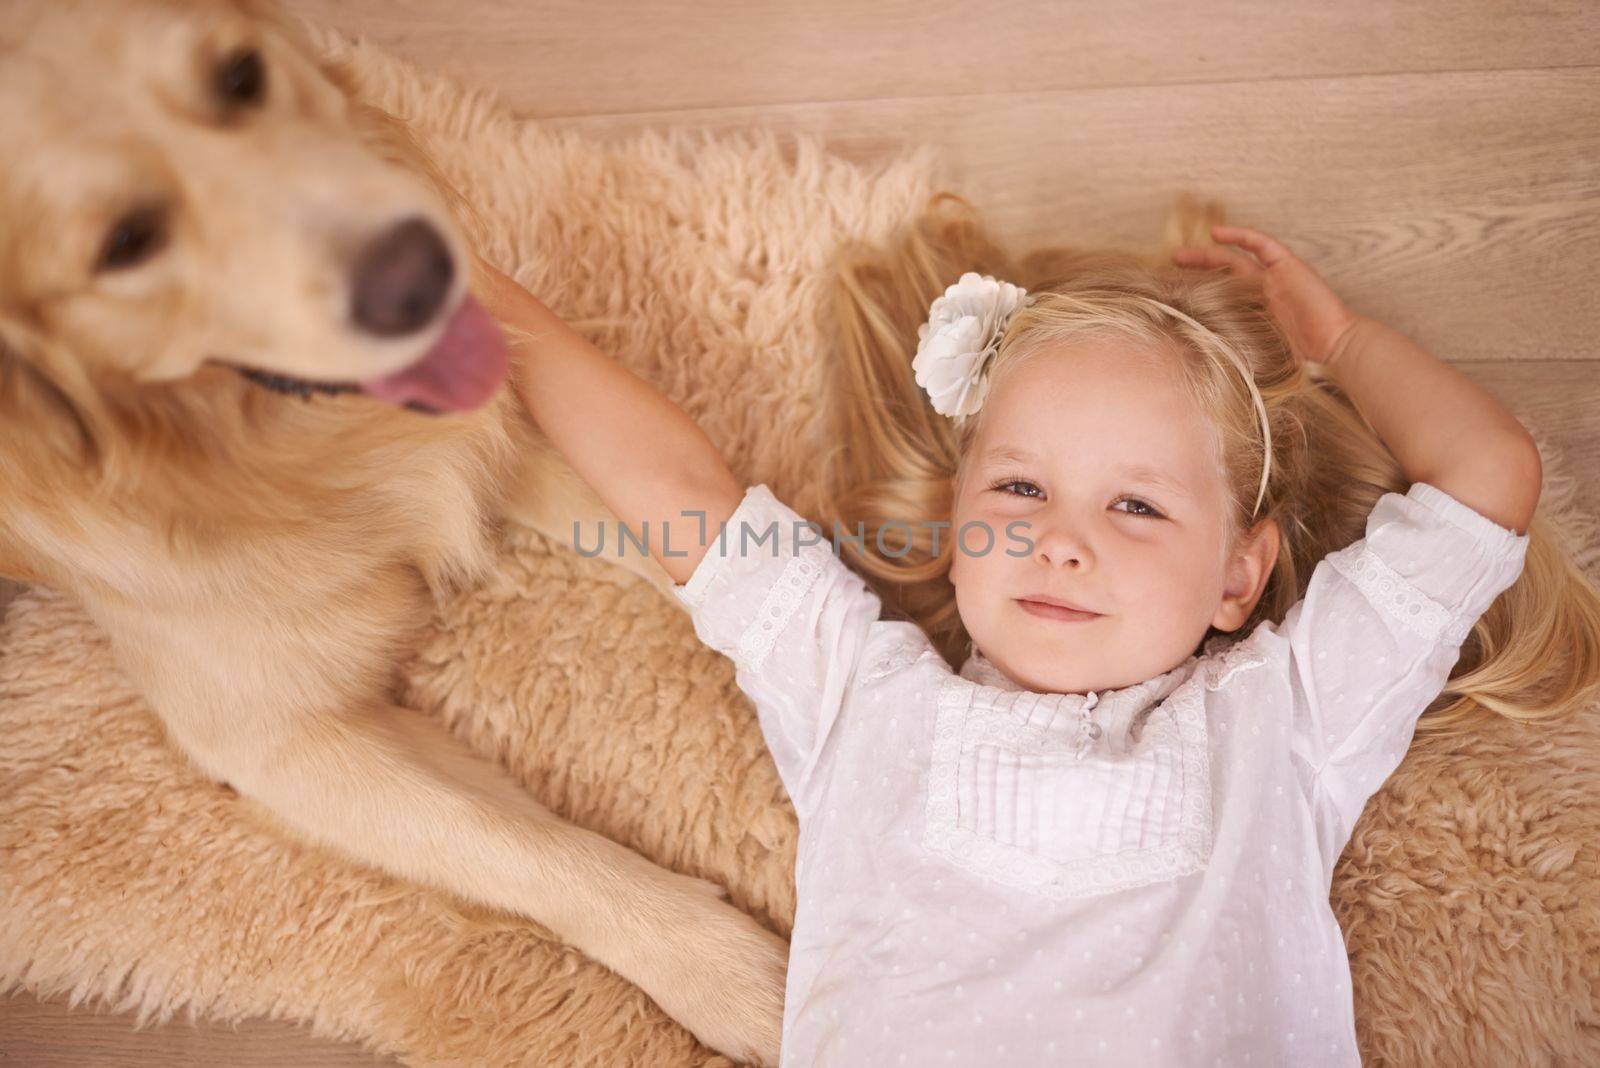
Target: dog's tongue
<point>462,370</point>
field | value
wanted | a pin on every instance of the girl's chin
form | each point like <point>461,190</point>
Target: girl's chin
<point>1052,674</point>
<point>1048,679</point>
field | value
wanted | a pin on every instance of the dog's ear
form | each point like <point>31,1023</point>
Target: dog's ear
<point>15,467</point>
<point>47,392</point>
<point>12,364</point>
<point>392,139</point>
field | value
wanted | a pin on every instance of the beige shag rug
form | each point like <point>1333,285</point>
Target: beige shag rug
<point>1467,896</point>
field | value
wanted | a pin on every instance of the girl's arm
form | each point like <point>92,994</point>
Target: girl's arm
<point>641,454</point>
<point>1443,428</point>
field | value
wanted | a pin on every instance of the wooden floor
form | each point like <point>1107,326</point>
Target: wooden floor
<point>1440,164</point>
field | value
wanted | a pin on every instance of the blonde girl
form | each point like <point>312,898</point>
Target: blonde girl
<point>1204,542</point>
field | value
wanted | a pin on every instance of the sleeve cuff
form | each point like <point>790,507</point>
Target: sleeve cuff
<point>1434,563</point>
<point>1479,526</point>
<point>756,500</point>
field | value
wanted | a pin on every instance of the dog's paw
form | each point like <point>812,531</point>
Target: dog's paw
<point>739,1011</point>
<point>723,979</point>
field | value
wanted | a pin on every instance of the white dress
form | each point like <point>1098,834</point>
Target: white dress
<point>990,876</point>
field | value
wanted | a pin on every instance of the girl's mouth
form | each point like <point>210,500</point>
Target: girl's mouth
<point>1055,611</point>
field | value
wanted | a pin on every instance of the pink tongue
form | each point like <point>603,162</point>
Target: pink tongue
<point>462,370</point>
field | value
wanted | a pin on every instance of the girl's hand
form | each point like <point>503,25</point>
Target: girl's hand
<point>1313,319</point>
<point>1442,427</point>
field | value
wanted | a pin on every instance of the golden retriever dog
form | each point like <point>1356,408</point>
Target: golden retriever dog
<point>255,422</point>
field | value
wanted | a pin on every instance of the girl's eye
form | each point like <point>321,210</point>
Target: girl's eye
<point>1148,510</point>
<point>1005,485</point>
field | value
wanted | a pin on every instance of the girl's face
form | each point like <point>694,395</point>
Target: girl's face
<point>1098,462</point>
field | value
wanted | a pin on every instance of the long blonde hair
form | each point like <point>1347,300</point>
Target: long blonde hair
<point>1535,654</point>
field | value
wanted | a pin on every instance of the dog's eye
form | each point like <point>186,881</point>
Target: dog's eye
<point>241,79</point>
<point>133,239</point>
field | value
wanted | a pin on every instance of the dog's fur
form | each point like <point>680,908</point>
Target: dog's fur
<point>259,560</point>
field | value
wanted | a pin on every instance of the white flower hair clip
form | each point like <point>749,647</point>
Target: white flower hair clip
<point>959,341</point>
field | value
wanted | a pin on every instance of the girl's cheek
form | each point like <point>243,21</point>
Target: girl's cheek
<point>1156,550</point>
<point>1158,575</point>
<point>998,515</point>
<point>1142,531</point>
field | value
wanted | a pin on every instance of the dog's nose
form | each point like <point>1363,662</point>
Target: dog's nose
<point>401,278</point>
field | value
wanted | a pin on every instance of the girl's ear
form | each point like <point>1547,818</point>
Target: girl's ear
<point>1248,572</point>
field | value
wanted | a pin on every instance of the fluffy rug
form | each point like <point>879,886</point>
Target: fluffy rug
<point>126,881</point>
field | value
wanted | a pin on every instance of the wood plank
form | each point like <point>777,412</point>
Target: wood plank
<point>48,1034</point>
<point>1558,400</point>
<point>569,57</point>
<point>1462,208</point>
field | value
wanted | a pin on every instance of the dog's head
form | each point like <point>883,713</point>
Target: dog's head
<point>188,193</point>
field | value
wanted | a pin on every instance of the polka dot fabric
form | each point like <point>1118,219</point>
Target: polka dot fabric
<point>977,884</point>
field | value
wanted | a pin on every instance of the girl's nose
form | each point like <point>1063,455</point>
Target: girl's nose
<point>1059,545</point>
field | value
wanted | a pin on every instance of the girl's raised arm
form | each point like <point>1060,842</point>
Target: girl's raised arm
<point>1442,427</point>
<point>641,454</point>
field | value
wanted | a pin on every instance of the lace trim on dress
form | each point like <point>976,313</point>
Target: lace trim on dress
<point>798,576</point>
<point>1226,657</point>
<point>897,656</point>
<point>1394,595</point>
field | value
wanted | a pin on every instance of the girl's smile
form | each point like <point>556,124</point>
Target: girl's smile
<point>1044,609</point>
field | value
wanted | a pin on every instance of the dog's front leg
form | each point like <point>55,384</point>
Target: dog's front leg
<point>547,495</point>
<point>19,564</point>
<point>393,788</point>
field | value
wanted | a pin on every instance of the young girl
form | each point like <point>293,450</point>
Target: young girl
<point>1107,839</point>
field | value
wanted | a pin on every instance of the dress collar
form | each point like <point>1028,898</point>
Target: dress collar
<point>1116,714</point>
<point>981,669</point>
